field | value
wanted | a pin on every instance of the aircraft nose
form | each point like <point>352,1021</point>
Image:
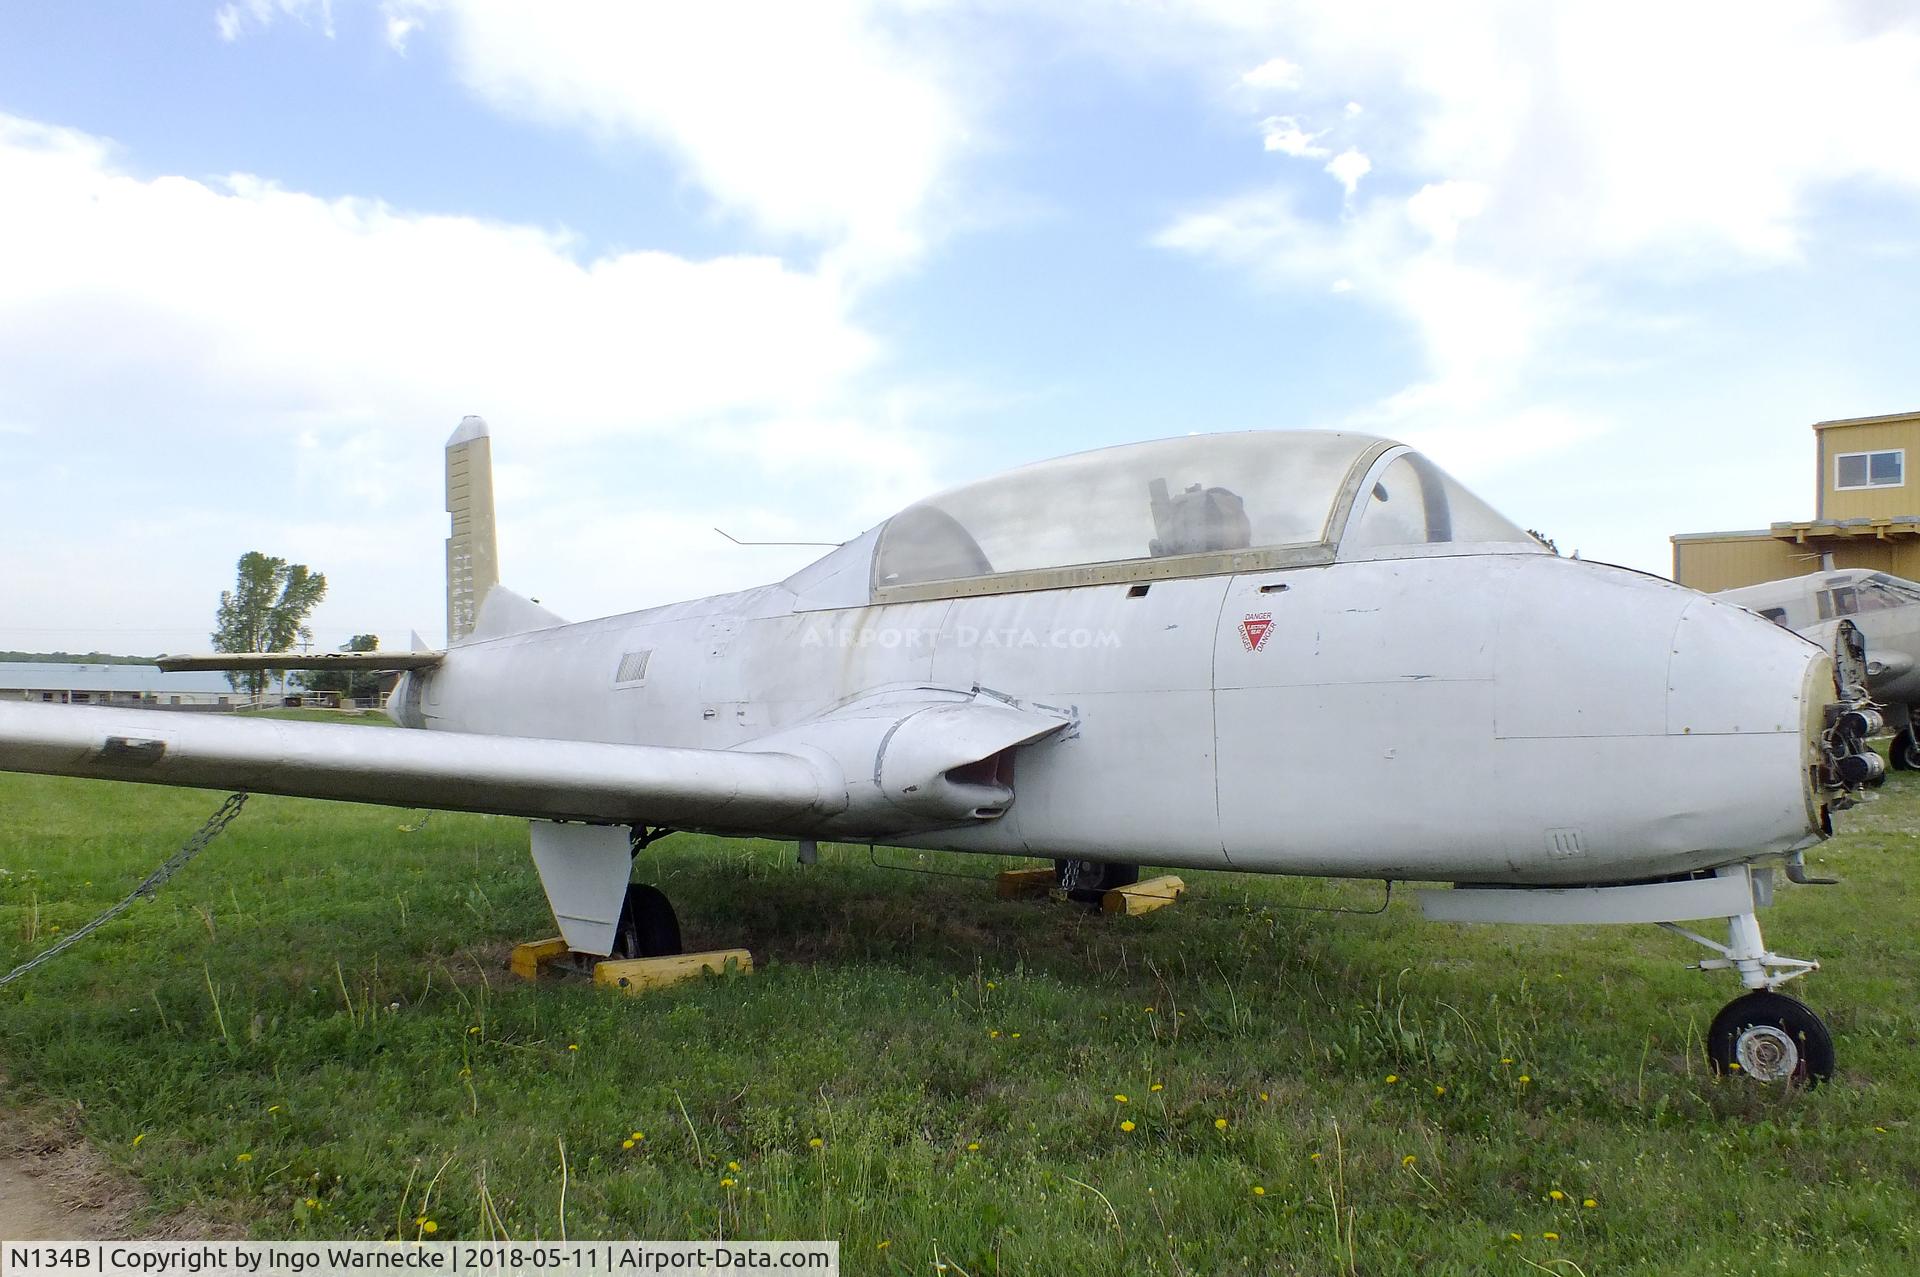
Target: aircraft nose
<point>1762,692</point>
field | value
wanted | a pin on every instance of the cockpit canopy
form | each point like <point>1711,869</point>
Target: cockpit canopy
<point>1189,506</point>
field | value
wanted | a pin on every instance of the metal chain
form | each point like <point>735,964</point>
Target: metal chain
<point>153,882</point>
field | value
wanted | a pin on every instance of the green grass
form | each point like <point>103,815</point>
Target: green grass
<point>322,994</point>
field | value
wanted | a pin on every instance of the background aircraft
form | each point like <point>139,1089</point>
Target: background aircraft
<point>1282,652</point>
<point>1887,611</point>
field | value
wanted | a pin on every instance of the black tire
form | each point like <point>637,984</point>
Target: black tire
<point>1904,751</point>
<point>1771,1037</point>
<point>1088,880</point>
<point>647,926</point>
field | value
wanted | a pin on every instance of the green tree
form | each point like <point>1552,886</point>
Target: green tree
<point>351,684</point>
<point>266,611</point>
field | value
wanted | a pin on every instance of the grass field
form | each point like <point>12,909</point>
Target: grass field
<point>310,1033</point>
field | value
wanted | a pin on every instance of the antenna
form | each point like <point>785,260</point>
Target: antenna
<point>737,541</point>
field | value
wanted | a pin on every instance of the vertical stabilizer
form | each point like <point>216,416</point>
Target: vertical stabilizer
<point>473,564</point>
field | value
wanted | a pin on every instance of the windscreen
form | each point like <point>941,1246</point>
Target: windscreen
<point>1415,502</point>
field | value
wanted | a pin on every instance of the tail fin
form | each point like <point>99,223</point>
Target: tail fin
<point>473,562</point>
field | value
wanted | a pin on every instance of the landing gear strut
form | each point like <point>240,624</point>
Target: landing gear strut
<point>1763,1034</point>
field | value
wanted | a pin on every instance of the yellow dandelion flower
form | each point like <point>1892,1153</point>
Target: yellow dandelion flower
<point>626,1143</point>
<point>1126,1126</point>
<point>993,1033</point>
<point>473,1028</point>
<point>637,1136</point>
<point>733,1166</point>
<point>1219,1123</point>
<point>1155,1087</point>
<point>273,1108</point>
<point>1506,1059</point>
<point>1552,1237</point>
<point>1516,1237</point>
<point>884,1243</point>
<point>313,1203</point>
<point>816,1142</point>
<point>992,985</point>
<point>1589,1203</point>
<point>1148,1010</point>
<point>1439,1090</point>
<point>1392,1078</point>
<point>727,1183</point>
<point>973,1147</point>
<point>1408,1160</point>
<point>429,1227</point>
<point>1259,1191</point>
<point>1881,1129</point>
<point>1313,1157</point>
<point>1119,1099</point>
<point>1013,1035</point>
<point>244,1157</point>
<point>136,1139</point>
<point>1263,1097</point>
<point>1557,1195</point>
<point>573,1046</point>
<point>1524,1079</point>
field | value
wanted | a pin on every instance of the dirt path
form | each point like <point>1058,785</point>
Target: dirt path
<point>37,1207</point>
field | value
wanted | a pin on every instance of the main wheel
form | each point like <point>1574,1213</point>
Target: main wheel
<point>1904,751</point>
<point>1771,1037</point>
<point>647,926</point>
<point>1088,880</point>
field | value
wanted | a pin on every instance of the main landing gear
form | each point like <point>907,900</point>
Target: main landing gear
<point>1088,881</point>
<point>647,926</point>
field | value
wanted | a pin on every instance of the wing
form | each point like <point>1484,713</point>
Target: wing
<point>902,762</point>
<point>300,661</point>
<point>507,775</point>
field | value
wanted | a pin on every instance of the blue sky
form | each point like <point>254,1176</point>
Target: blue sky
<point>783,268</point>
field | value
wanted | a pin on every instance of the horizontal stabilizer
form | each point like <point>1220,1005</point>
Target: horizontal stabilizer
<point>300,661</point>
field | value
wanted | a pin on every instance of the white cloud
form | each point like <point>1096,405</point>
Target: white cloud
<point>1283,133</point>
<point>1348,168</point>
<point>232,20</point>
<point>1440,207</point>
<point>399,29</point>
<point>223,313</point>
<point>815,121</point>
<point>1274,73</point>
<point>264,306</point>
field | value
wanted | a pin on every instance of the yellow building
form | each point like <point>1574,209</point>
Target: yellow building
<point>1866,514</point>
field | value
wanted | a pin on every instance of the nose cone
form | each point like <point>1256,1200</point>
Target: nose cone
<point>1751,695</point>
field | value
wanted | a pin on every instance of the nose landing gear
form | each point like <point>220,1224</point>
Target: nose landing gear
<point>1763,1034</point>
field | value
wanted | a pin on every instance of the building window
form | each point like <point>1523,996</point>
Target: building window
<point>1870,469</point>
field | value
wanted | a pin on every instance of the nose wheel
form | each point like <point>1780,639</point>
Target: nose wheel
<point>1771,1038</point>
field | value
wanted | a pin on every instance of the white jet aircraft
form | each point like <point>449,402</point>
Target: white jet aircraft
<point>1280,652</point>
<point>1885,608</point>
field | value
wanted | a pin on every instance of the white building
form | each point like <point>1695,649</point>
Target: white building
<point>135,685</point>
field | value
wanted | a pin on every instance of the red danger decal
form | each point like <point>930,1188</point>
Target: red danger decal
<point>1254,630</point>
